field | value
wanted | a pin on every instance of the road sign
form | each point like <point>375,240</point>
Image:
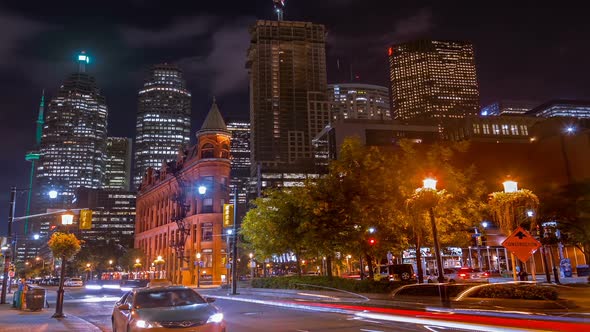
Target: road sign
<point>522,244</point>
<point>11,274</point>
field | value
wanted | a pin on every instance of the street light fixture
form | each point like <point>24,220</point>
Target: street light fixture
<point>198,269</point>
<point>67,218</point>
<point>53,194</point>
<point>202,190</point>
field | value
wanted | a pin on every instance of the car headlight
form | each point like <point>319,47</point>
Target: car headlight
<point>144,324</point>
<point>215,318</point>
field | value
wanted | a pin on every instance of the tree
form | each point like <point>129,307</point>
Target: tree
<point>569,206</point>
<point>128,259</point>
<point>277,224</point>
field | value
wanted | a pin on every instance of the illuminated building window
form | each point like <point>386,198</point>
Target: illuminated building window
<point>207,232</point>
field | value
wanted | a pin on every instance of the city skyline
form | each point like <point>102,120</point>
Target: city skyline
<point>509,65</point>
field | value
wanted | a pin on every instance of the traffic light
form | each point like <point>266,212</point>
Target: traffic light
<point>85,219</point>
<point>372,241</point>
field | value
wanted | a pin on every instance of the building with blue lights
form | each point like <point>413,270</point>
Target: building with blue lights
<point>565,108</point>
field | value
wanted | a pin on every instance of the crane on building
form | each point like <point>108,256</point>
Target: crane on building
<point>279,8</point>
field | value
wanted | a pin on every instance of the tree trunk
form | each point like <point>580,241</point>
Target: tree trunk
<point>298,260</point>
<point>419,260</point>
<point>370,264</point>
<point>329,266</point>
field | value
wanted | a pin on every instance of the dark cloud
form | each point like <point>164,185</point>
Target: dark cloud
<point>223,65</point>
<point>182,29</point>
<point>15,30</point>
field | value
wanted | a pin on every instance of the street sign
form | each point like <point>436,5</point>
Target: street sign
<point>521,243</point>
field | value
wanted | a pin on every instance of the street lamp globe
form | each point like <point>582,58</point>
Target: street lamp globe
<point>198,255</point>
<point>429,183</point>
<point>484,224</point>
<point>510,186</point>
<point>88,265</point>
<point>371,230</point>
<point>36,237</point>
<point>251,255</point>
<point>137,261</point>
<point>202,190</point>
<point>530,213</point>
<point>110,262</point>
<point>53,194</point>
<point>67,218</point>
<point>230,231</point>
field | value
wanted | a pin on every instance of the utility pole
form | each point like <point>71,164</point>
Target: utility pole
<point>8,253</point>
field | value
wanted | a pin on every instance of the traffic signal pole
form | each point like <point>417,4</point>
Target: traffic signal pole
<point>234,277</point>
<point>7,254</point>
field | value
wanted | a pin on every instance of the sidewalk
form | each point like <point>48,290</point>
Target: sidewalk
<point>13,320</point>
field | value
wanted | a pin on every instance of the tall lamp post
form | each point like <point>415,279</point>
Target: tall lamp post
<point>430,184</point>
<point>137,266</point>
<point>198,269</point>
<point>252,265</point>
<point>66,220</point>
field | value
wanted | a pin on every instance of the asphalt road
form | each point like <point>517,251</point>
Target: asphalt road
<point>96,308</point>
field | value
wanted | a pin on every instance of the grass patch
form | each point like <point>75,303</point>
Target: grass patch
<point>351,285</point>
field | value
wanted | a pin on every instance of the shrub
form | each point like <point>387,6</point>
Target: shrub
<point>323,282</point>
<point>512,291</point>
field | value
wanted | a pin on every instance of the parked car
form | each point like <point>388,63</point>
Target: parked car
<point>395,272</point>
<point>464,274</point>
<point>73,282</point>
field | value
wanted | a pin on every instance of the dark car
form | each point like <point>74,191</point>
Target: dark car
<point>166,308</point>
<point>428,294</point>
<point>396,272</point>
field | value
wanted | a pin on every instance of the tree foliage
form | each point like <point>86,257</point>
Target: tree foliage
<point>569,206</point>
<point>64,245</point>
<point>366,189</point>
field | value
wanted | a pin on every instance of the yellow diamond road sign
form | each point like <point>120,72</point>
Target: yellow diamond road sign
<point>522,244</point>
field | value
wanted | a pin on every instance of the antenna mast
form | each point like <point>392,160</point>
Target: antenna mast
<point>279,8</point>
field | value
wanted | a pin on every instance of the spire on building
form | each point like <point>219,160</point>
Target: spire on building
<point>40,120</point>
<point>279,8</point>
<point>214,121</point>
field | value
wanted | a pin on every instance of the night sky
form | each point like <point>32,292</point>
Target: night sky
<point>534,53</point>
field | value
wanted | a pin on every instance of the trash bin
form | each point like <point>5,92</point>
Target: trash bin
<point>583,270</point>
<point>35,298</point>
<point>17,299</point>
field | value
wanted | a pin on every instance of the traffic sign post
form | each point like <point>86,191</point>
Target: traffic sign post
<point>522,245</point>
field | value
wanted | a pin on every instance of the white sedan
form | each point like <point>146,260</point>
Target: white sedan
<point>73,282</point>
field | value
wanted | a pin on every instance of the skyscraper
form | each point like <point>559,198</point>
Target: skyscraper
<point>240,157</point>
<point>359,101</point>
<point>163,119</point>
<point>73,145</point>
<point>433,79</point>
<point>118,163</point>
<point>288,106</point>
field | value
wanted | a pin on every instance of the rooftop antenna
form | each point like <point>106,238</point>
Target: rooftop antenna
<point>279,8</point>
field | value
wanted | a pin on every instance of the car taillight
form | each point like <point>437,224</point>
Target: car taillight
<point>462,275</point>
<point>485,274</point>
